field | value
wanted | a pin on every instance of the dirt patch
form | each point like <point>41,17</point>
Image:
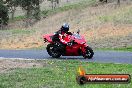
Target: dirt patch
<point>109,36</point>
<point>107,31</point>
<point>7,65</point>
<point>21,42</point>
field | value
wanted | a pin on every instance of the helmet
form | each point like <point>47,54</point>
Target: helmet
<point>65,27</point>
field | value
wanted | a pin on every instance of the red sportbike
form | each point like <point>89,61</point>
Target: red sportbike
<point>76,46</point>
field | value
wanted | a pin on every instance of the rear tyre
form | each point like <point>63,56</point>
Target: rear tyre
<point>52,51</point>
<point>89,53</point>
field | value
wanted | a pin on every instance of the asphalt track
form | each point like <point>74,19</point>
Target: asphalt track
<point>99,56</point>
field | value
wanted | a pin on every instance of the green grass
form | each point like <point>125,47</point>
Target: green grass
<point>129,48</point>
<point>17,18</point>
<point>61,74</point>
<point>17,31</point>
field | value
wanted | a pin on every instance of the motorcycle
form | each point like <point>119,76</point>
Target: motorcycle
<point>76,46</point>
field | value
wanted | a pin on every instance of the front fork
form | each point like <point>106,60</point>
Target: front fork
<point>84,47</point>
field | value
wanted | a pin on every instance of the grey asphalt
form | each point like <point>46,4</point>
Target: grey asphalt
<point>99,56</point>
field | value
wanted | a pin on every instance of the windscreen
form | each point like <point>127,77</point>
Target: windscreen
<point>77,36</point>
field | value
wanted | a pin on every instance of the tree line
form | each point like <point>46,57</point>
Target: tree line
<point>31,8</point>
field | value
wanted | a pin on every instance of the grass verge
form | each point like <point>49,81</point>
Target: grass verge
<point>128,48</point>
<point>61,74</point>
<point>17,31</point>
<point>39,48</point>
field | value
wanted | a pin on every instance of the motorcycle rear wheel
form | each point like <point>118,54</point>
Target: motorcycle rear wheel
<point>89,53</point>
<point>51,49</point>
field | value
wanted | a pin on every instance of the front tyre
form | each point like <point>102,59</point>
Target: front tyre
<point>89,53</point>
<point>52,51</point>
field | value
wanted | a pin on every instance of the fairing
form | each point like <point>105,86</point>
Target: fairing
<point>75,48</point>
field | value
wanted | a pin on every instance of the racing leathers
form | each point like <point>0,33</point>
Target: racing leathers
<point>59,38</point>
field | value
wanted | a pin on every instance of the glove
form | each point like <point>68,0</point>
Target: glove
<point>69,43</point>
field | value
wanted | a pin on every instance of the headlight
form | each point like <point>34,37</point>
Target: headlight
<point>82,42</point>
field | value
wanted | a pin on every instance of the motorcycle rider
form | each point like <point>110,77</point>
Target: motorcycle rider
<point>64,30</point>
<point>60,35</point>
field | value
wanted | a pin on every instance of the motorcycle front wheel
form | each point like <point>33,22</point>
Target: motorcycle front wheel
<point>52,51</point>
<point>89,53</point>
